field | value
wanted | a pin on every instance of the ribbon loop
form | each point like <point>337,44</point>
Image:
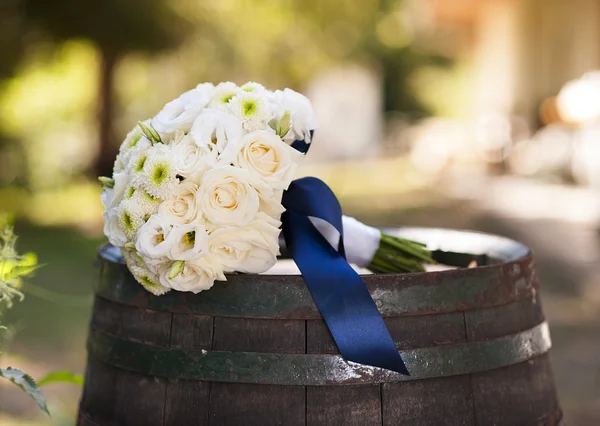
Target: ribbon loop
<point>340,294</point>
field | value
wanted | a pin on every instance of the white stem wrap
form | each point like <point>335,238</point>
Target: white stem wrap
<point>360,241</point>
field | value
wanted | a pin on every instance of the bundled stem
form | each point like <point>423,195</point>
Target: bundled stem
<point>398,255</point>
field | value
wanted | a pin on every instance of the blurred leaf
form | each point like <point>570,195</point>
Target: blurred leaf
<point>27,384</point>
<point>63,376</point>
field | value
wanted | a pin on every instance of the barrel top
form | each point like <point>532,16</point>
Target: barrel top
<point>504,274</point>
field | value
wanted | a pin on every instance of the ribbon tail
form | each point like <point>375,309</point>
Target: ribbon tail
<point>340,294</point>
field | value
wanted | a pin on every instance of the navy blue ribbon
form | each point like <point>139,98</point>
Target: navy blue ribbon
<point>340,294</point>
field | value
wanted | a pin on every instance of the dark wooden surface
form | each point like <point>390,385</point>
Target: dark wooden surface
<point>519,394</point>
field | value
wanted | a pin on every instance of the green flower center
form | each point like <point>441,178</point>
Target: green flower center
<point>129,192</point>
<point>139,165</point>
<point>225,99</point>
<point>127,220</point>
<point>249,108</point>
<point>160,174</point>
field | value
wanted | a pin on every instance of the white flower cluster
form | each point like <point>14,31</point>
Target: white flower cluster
<point>196,191</point>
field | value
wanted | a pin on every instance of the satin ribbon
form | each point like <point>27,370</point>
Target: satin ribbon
<point>340,294</point>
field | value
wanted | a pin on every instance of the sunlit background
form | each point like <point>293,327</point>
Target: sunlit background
<point>480,114</point>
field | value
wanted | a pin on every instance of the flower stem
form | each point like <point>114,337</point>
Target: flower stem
<point>399,255</point>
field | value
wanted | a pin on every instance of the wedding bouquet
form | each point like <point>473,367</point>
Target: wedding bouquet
<point>197,191</point>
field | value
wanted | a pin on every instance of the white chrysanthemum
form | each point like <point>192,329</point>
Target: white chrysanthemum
<point>152,238</point>
<point>154,171</point>
<point>187,241</point>
<point>146,203</point>
<point>131,140</point>
<point>222,94</point>
<point>252,109</point>
<point>197,275</point>
<point>252,86</point>
<point>130,150</point>
<point>251,249</point>
<point>149,280</point>
<point>131,217</point>
<point>216,129</point>
<point>191,159</point>
<point>302,115</point>
<point>182,207</point>
<point>180,113</point>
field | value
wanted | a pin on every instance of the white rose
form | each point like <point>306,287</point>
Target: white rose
<point>197,275</point>
<point>231,196</point>
<point>191,159</point>
<point>187,241</point>
<point>251,249</point>
<point>152,238</point>
<point>179,114</point>
<point>112,228</point>
<point>265,153</point>
<point>302,115</point>
<point>182,208</point>
<point>215,130</point>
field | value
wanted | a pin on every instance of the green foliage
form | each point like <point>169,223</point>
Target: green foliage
<point>27,384</point>
<point>62,376</point>
<point>13,266</point>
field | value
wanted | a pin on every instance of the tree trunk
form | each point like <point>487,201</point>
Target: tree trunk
<point>106,111</point>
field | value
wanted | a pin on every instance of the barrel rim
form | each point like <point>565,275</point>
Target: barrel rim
<point>287,297</point>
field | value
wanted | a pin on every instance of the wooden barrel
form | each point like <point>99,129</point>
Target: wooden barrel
<point>255,351</point>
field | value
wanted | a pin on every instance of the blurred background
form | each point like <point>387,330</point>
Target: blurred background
<point>478,114</point>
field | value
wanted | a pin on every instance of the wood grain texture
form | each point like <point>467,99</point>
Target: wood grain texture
<point>142,325</point>
<point>192,331</point>
<point>252,335</point>
<point>419,331</point>
<point>235,404</point>
<point>447,401</point>
<point>522,394</point>
<point>186,403</point>
<point>503,320</point>
<point>344,405</point>
<point>98,399</point>
<point>139,399</point>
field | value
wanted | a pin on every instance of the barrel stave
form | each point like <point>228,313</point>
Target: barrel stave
<point>434,402</point>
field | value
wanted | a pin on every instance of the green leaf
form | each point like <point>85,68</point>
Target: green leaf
<point>149,132</point>
<point>27,384</point>
<point>62,376</point>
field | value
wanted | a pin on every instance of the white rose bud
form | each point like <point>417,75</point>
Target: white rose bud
<point>266,154</point>
<point>196,275</point>
<point>231,196</point>
<point>251,249</point>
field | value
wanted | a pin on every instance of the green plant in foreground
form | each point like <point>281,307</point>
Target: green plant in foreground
<point>14,267</point>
